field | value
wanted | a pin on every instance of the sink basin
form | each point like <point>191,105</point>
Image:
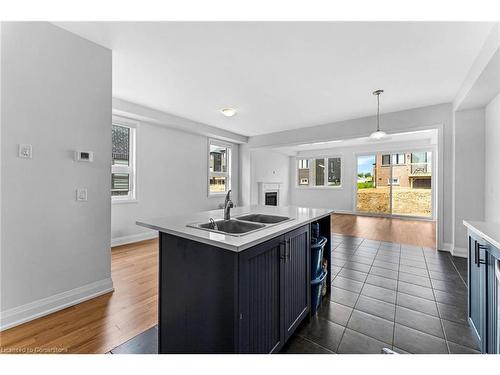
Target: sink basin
<point>232,227</point>
<point>262,218</point>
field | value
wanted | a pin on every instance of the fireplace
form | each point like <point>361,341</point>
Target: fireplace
<point>271,198</point>
<point>269,193</point>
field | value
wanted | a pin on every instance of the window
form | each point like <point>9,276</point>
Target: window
<point>334,172</point>
<point>395,159</point>
<point>303,172</point>
<point>393,181</point>
<point>398,159</point>
<point>303,164</point>
<point>319,172</point>
<point>123,161</point>
<point>386,159</point>
<point>219,167</point>
<point>325,172</point>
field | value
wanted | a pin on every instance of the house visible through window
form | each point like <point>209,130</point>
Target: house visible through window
<point>303,172</point>
<point>219,173</point>
<point>334,172</point>
<point>325,172</point>
<point>122,162</point>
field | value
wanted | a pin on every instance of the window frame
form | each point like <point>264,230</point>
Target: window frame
<point>394,182</point>
<point>312,164</point>
<point>227,174</point>
<point>131,169</point>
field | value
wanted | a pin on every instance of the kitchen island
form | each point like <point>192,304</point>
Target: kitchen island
<point>235,292</point>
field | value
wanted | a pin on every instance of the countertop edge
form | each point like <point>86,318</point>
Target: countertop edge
<point>230,247</point>
<point>471,226</point>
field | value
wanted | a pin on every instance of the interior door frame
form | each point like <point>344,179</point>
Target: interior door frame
<point>430,148</point>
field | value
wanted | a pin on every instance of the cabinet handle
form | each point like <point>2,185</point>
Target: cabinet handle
<point>479,260</point>
<point>283,250</point>
<point>475,252</point>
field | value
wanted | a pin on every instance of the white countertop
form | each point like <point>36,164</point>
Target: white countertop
<point>177,225</point>
<point>489,231</point>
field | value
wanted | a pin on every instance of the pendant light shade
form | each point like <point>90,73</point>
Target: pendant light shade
<point>378,134</point>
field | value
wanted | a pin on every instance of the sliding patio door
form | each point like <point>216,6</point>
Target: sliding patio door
<point>398,184</point>
<point>371,198</point>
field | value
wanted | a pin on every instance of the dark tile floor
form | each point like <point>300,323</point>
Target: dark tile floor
<point>144,343</point>
<point>387,295</point>
<point>384,295</point>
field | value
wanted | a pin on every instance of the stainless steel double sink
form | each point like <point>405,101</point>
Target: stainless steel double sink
<point>241,225</point>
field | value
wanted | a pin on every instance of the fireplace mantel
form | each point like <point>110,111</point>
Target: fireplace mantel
<point>269,187</point>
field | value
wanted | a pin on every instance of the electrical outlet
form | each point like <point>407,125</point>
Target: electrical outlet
<point>25,151</point>
<point>81,194</point>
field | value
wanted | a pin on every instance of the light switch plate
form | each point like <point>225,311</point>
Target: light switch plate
<point>25,151</point>
<point>81,194</point>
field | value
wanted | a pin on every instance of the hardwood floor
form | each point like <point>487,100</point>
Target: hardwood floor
<point>410,232</point>
<point>103,323</point>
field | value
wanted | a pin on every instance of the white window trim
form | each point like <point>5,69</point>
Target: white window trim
<point>311,166</point>
<point>228,174</point>
<point>132,169</point>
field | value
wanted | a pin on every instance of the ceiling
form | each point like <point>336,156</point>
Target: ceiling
<point>285,75</point>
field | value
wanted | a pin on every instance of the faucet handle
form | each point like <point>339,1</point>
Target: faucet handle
<point>213,224</point>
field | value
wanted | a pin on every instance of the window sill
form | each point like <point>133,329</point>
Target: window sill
<point>216,195</point>
<point>123,201</point>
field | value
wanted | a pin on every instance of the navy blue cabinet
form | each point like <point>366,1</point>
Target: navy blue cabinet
<point>477,288</point>
<point>261,297</point>
<point>483,293</point>
<point>296,286</point>
<point>274,291</point>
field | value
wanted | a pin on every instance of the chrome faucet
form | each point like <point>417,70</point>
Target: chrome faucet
<point>228,204</point>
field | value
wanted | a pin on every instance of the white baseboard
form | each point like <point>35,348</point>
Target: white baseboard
<point>447,247</point>
<point>33,310</point>
<point>459,252</point>
<point>455,250</point>
<point>133,238</point>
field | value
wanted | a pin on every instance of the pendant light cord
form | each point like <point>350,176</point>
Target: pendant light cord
<point>378,112</point>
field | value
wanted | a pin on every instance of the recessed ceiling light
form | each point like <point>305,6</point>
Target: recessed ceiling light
<point>228,112</point>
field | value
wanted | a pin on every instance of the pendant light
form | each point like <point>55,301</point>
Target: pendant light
<point>379,134</point>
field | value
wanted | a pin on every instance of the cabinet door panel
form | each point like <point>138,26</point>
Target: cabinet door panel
<point>261,298</point>
<point>477,290</point>
<point>297,278</point>
<point>474,287</point>
<point>491,341</point>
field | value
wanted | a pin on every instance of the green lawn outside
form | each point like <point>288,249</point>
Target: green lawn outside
<point>365,185</point>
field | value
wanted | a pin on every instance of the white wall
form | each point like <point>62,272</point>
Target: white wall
<point>245,175</point>
<point>56,95</point>
<point>469,173</point>
<point>269,166</point>
<point>343,198</point>
<point>410,120</point>
<point>492,157</point>
<point>172,179</point>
